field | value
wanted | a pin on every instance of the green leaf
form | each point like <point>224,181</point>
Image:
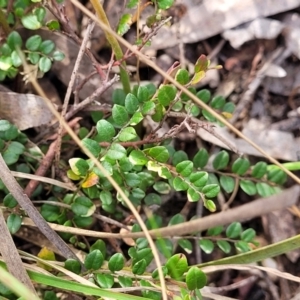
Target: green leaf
<point>148,107</point>
<point>92,146</point>
<point>159,153</point>
<point>106,281</point>
<point>182,76</point>
<point>259,170</point>
<point>45,64</point>
<point>195,279</point>
<point>162,187</point>
<point>143,93</point>
<point>131,103</point>
<point>40,12</point>
<point>201,158</point>
<point>100,245</point>
<point>210,205</point>
<point>218,102</point>
<point>186,245</point>
<point>177,265</point>
<point>106,131</point>
<point>31,21</point>
<point>199,179</point>
<point>47,47</point>
<point>132,179</point>
<point>242,246</point>
<point>106,197</point>
<point>224,246</point>
<point>16,147</point>
<point>240,166</point>
<point>214,231</point>
<point>277,176</point>
<point>248,235</point>
<point>185,168</point>
<point>211,190</point>
<point>138,158</point>
<point>127,134</point>
<point>34,57</point>
<point>53,25</point>
<point>10,157</point>
<point>14,223</point>
<point>165,4</point>
<point>14,40</point>
<point>179,184</point>
<point>79,166</point>
<point>116,262</point>
<point>5,63</point>
<point>166,94</point>
<point>221,160</point>
<point>58,55</point>
<point>10,201</point>
<point>94,260</point>
<point>118,97</point>
<point>176,219</point>
<point>124,24</point>
<point>16,60</point>
<point>4,125</point>
<point>234,230</point>
<point>120,115</point>
<point>178,157</point>
<point>248,187</point>
<point>208,116</point>
<point>108,168</point>
<point>193,195</point>
<point>139,267</point>
<point>73,265</point>
<point>264,189</point>
<point>136,118</point>
<point>152,199</point>
<point>159,113</point>
<point>206,245</point>
<point>116,152</point>
<point>83,207</point>
<point>227,183</point>
<point>204,95</point>
<point>125,281</point>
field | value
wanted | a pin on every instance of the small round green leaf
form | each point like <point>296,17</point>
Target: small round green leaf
<point>179,184</point>
<point>116,152</point>
<point>139,268</point>
<point>204,95</point>
<point>195,279</point>
<point>83,207</point>
<point>166,94</point>
<point>211,190</point>
<point>92,146</point>
<point>162,187</point>
<point>185,168</point>
<point>221,160</point>
<point>182,76</point>
<point>227,183</point>
<point>106,131</point>
<point>178,157</point>
<point>159,153</point>
<point>224,246</point>
<point>34,57</point>
<point>14,223</point>
<point>94,260</point>
<point>58,55</point>
<point>127,134</point>
<point>125,281</point>
<point>277,176</point>
<point>217,102</point>
<point>73,265</point>
<point>206,245</point>
<point>10,201</point>
<point>106,281</point>
<point>47,47</point>
<point>120,115</point>
<point>116,262</point>
<point>264,189</point>
<point>199,179</point>
<point>31,21</point>
<point>193,195</point>
<point>242,246</point>
<point>143,94</point>
<point>79,166</point>
<point>259,170</point>
<point>214,231</point>
<point>248,187</point>
<point>177,265</point>
<point>234,230</point>
<point>14,40</point>
<point>16,60</point>
<point>248,235</point>
<point>240,166</point>
<point>131,103</point>
<point>45,64</point>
